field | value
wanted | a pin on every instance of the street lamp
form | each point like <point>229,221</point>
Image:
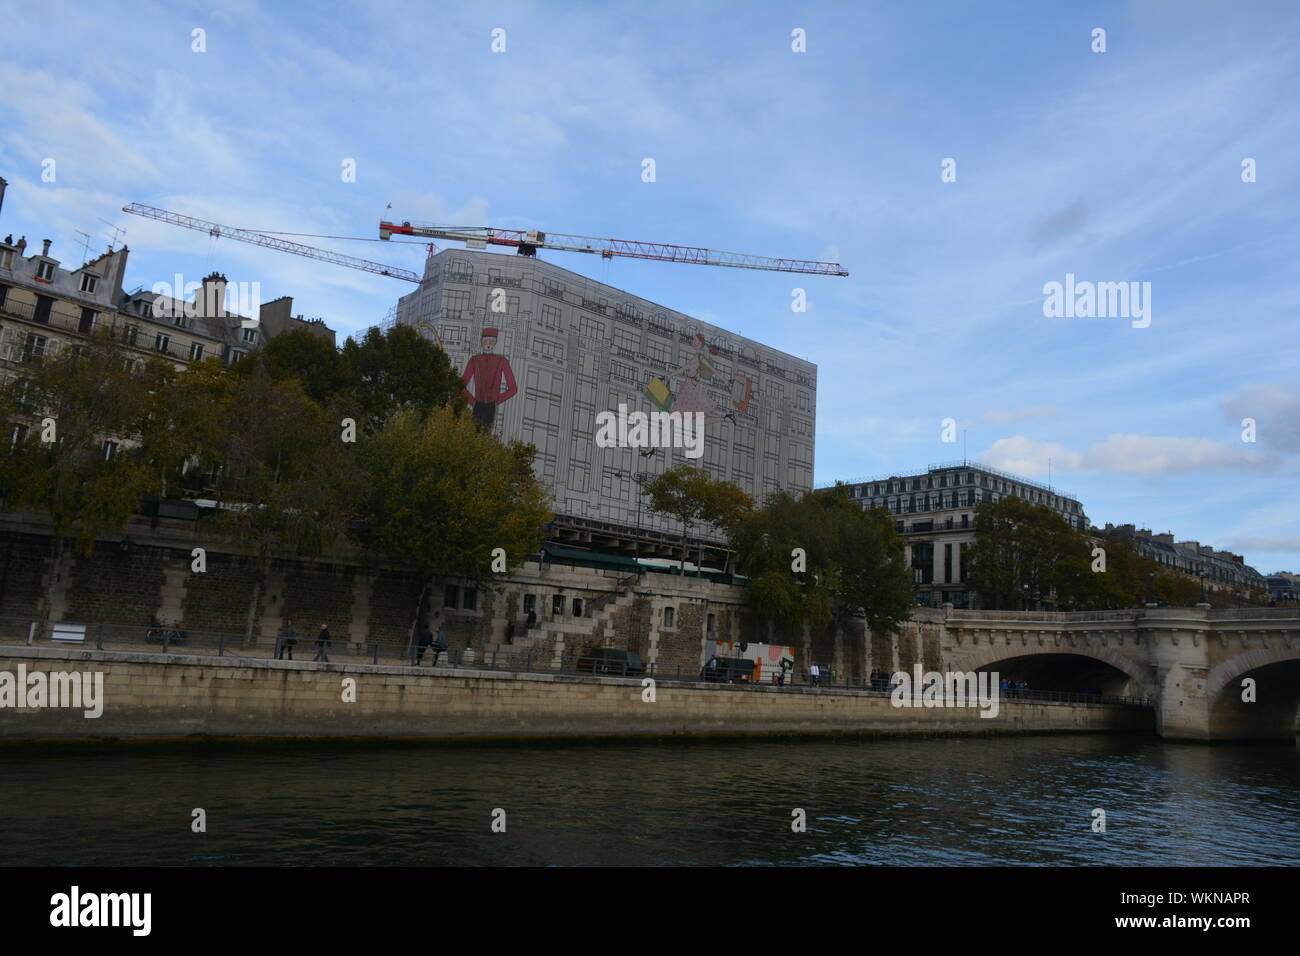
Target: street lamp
<point>1151,589</point>
<point>1200,571</point>
<point>641,478</point>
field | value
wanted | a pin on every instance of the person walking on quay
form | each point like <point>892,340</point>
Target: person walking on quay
<point>815,674</point>
<point>288,638</point>
<point>422,643</point>
<point>510,632</point>
<point>322,645</point>
<point>439,645</point>
<point>532,620</point>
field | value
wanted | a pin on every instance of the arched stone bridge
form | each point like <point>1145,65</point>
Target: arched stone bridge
<point>1195,664</point>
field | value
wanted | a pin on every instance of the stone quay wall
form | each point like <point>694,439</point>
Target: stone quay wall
<point>164,697</point>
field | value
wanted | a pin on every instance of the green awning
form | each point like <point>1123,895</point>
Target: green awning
<point>594,559</point>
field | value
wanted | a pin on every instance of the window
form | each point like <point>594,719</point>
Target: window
<point>250,335</point>
<point>577,607</point>
<point>4,294</point>
<point>178,319</point>
<point>130,334</point>
<point>17,436</point>
<point>87,323</point>
<point>196,351</point>
<point>88,283</point>
<point>109,449</point>
<point>530,603</point>
<point>34,349</point>
<point>668,617</point>
<point>550,316</point>
<point>459,270</point>
<point>455,302</point>
<point>557,605</point>
<point>469,599</point>
<point>161,342</point>
<point>44,304</point>
<point>44,271</point>
<point>449,596</point>
<point>711,623</point>
<point>6,258</point>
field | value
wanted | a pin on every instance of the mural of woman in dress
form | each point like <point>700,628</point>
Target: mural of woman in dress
<point>690,384</point>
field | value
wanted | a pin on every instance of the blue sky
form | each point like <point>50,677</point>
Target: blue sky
<point>1115,166</point>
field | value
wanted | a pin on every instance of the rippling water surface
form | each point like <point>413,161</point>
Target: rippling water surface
<point>1021,800</point>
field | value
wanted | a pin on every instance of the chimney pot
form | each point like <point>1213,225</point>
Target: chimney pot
<point>46,250</point>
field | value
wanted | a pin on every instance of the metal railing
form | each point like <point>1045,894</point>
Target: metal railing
<point>175,639</point>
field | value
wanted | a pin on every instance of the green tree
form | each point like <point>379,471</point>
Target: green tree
<point>302,355</point>
<point>1026,553</point>
<point>820,557</point>
<point>398,368</point>
<point>690,495</point>
<point>91,450</point>
<point>444,494</point>
<point>283,475</point>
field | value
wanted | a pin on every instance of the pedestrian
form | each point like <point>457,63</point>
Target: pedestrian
<point>510,632</point>
<point>423,642</point>
<point>815,674</point>
<point>1002,686</point>
<point>288,638</point>
<point>322,645</point>
<point>440,644</point>
<point>532,619</point>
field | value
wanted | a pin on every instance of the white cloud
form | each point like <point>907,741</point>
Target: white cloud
<point>1125,454</point>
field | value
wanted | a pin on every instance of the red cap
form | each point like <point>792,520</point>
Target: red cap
<point>489,332</point>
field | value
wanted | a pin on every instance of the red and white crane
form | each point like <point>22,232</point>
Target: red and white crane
<point>216,230</point>
<point>526,242</point>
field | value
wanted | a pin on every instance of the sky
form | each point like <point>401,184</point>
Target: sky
<point>955,157</point>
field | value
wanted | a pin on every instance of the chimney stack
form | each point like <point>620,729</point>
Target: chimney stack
<point>3,185</point>
<point>213,302</point>
<point>46,250</point>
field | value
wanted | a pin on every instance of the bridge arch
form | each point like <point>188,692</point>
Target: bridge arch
<point>981,657</point>
<point>1271,714</point>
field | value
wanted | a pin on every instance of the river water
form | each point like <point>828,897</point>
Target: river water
<point>913,800</point>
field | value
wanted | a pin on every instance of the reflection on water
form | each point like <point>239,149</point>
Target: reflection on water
<point>1017,800</point>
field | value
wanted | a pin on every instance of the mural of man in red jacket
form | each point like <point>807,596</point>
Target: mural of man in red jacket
<point>489,380</point>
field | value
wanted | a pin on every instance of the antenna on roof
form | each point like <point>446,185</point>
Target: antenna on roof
<point>118,232</point>
<point>85,245</point>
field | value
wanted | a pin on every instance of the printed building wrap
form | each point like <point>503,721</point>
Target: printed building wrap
<point>575,347</point>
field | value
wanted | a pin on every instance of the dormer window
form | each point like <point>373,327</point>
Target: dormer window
<point>250,335</point>
<point>6,258</point>
<point>88,283</point>
<point>44,271</point>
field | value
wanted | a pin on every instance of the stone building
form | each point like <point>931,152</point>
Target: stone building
<point>935,512</point>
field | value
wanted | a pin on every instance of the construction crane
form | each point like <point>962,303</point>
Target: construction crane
<point>216,230</point>
<point>527,242</point>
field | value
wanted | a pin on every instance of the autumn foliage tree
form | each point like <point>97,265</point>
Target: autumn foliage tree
<point>443,496</point>
<point>820,557</point>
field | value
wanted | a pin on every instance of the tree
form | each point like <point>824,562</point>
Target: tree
<point>90,451</point>
<point>300,354</point>
<point>689,495</point>
<point>444,495</point>
<point>395,369</point>
<point>820,557</point>
<point>1025,552</point>
<point>284,477</point>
